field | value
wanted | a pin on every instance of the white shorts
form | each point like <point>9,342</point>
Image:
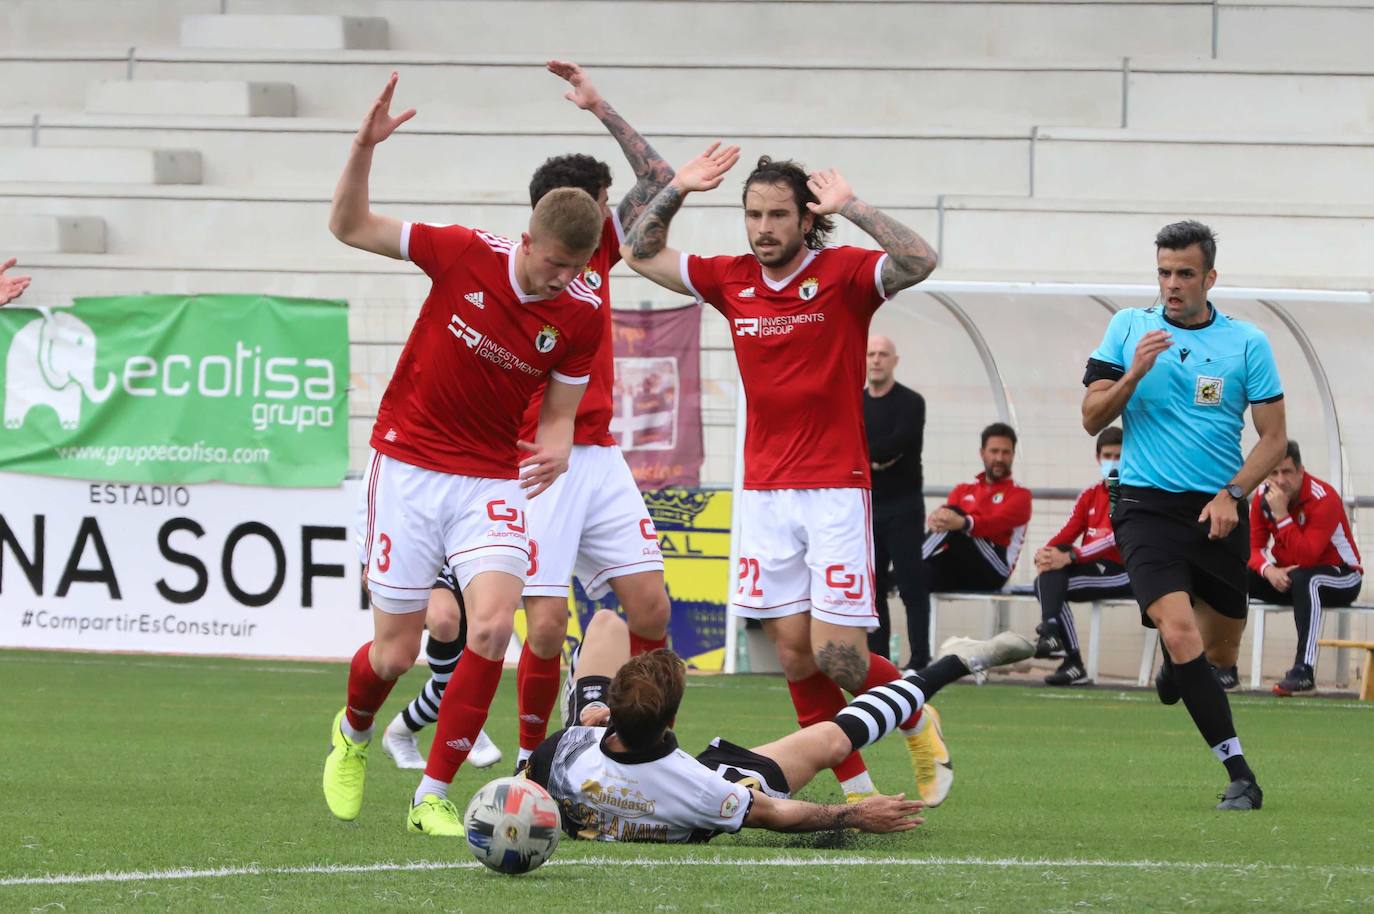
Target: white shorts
<point>806,550</point>
<point>412,523</point>
<point>591,522</point>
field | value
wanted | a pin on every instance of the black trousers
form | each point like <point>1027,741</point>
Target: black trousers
<point>1312,589</point>
<point>957,561</point>
<point>1078,583</point>
<point>897,533</point>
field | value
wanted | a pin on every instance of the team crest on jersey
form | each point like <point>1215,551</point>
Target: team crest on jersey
<point>729,807</point>
<point>547,339</point>
<point>809,287</point>
<point>997,499</point>
<point>591,278</point>
<point>1208,391</point>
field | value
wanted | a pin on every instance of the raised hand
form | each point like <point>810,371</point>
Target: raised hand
<point>379,124</point>
<point>583,93</point>
<point>707,170</point>
<point>1277,501</point>
<point>832,192</point>
<point>11,287</point>
<point>1148,350</point>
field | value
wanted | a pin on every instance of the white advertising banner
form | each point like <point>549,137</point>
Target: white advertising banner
<point>197,569</point>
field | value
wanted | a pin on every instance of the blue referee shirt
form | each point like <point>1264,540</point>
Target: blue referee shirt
<point>1183,423</point>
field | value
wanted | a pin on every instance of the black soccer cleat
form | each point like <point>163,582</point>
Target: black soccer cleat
<point>1165,686</point>
<point>1048,643</point>
<point>1229,677</point>
<point>1241,795</point>
<point>1070,673</point>
<point>1298,679</point>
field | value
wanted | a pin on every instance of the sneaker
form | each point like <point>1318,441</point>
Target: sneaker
<point>1228,677</point>
<point>1070,673</point>
<point>435,815</point>
<point>1165,686</point>
<point>1241,795</point>
<point>1298,679</point>
<point>1048,643</point>
<point>930,759</point>
<point>344,769</point>
<point>485,753</point>
<point>398,743</point>
<point>981,656</point>
<point>859,796</point>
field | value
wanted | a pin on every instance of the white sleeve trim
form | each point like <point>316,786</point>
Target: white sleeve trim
<point>568,379</point>
<point>878,277</point>
<point>1284,523</point>
<point>405,240</point>
<point>619,229</point>
<point>686,279</point>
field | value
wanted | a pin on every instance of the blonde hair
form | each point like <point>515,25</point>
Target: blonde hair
<point>570,216</point>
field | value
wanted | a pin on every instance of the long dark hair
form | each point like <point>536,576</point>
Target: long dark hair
<point>785,171</point>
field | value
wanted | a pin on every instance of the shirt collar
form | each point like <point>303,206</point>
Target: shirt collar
<point>665,747</point>
<point>1211,319</point>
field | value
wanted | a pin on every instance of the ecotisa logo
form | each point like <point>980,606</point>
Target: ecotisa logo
<point>51,363</point>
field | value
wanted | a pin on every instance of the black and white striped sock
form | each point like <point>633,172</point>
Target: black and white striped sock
<point>877,712</point>
<point>442,657</point>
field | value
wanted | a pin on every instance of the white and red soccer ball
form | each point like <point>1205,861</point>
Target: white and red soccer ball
<point>512,825</point>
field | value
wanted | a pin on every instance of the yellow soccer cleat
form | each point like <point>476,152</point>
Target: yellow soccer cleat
<point>859,796</point>
<point>930,760</point>
<point>434,815</point>
<point>344,770</point>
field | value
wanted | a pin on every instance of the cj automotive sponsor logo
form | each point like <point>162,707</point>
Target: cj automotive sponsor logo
<point>774,326</point>
<point>493,352</point>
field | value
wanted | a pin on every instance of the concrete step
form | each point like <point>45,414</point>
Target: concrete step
<point>96,24</point>
<point>1292,31</point>
<point>52,164</point>
<point>1148,164</point>
<point>519,94</point>
<point>335,33</point>
<point>57,79</point>
<point>213,98</point>
<point>307,154</point>
<point>52,234</point>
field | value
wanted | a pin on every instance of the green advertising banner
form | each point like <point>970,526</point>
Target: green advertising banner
<point>246,389</point>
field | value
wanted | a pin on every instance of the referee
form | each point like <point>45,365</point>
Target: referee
<point>1181,375</point>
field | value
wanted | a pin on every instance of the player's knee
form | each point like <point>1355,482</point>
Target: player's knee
<point>443,617</point>
<point>391,659</point>
<point>490,636</point>
<point>846,664</point>
<point>546,632</point>
<point>649,615</point>
<point>1180,637</point>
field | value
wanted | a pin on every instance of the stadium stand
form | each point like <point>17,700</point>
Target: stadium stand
<point>1033,142</point>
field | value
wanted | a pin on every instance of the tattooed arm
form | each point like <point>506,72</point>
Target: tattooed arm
<point>876,814</point>
<point>646,246</point>
<point>652,172</point>
<point>909,258</point>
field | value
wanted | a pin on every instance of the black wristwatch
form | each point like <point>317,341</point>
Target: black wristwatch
<point>1235,492</point>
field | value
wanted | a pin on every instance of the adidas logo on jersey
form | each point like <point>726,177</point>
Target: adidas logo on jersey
<point>475,298</point>
<point>462,744</point>
<point>747,293</point>
<point>390,435</point>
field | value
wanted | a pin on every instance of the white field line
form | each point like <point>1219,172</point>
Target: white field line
<point>1319,704</point>
<point>715,860</point>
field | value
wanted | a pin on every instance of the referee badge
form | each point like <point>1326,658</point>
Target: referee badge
<point>1208,391</point>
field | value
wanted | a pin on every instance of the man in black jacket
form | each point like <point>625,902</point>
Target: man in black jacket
<point>895,418</point>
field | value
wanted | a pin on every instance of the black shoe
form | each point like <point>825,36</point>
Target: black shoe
<point>1165,686</point>
<point>521,766</point>
<point>1298,679</point>
<point>1228,677</point>
<point>1048,643</point>
<point>1241,795</point>
<point>1070,673</point>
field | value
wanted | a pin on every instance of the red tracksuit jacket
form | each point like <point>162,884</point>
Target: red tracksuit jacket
<point>1315,532</point>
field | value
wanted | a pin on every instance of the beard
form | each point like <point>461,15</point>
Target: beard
<point>777,254</point>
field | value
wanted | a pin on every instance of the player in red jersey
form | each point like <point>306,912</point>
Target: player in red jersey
<point>592,520</point>
<point>799,313</point>
<point>503,317</point>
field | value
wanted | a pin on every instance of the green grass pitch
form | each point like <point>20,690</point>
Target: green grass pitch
<point>183,784</point>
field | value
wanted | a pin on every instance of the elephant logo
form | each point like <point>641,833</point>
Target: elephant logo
<point>51,363</point>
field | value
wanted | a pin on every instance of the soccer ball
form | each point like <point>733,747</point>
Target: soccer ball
<point>512,825</point>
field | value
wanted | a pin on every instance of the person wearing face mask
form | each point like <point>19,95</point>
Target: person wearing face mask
<point>976,535</point>
<point>1089,570</point>
<point>1302,554</point>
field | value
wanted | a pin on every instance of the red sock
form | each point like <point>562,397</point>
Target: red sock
<point>536,684</point>
<point>641,645</point>
<point>882,671</point>
<point>817,699</point>
<point>462,712</point>
<point>366,690</point>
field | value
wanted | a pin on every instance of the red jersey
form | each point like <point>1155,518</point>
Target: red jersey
<point>1090,519</point>
<point>477,353</point>
<point>595,411</point>
<point>999,510</point>
<point>1315,532</point>
<point>800,344</point>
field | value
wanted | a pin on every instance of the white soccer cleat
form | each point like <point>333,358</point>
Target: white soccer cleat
<point>981,656</point>
<point>399,743</point>
<point>485,753</point>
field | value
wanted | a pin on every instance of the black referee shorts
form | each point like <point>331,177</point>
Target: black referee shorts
<point>1167,550</point>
